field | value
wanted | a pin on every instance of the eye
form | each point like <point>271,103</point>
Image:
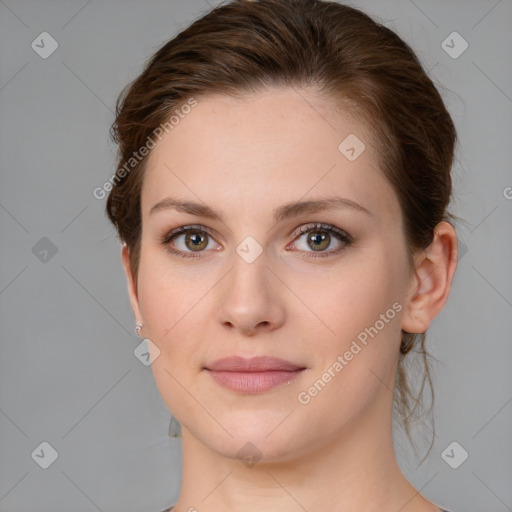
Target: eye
<point>319,238</point>
<point>195,240</point>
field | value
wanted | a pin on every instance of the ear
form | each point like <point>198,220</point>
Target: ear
<point>132,283</point>
<point>432,280</point>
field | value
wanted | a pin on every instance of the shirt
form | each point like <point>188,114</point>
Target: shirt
<point>170,508</point>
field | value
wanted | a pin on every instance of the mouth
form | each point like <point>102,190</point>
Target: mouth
<point>254,375</point>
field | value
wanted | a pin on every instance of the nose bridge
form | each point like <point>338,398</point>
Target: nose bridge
<point>249,274</point>
<point>249,297</point>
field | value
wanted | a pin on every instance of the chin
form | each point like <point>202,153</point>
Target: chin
<point>265,437</point>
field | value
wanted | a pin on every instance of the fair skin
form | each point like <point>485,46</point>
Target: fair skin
<point>244,159</point>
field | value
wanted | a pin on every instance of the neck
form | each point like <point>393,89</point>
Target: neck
<point>356,469</point>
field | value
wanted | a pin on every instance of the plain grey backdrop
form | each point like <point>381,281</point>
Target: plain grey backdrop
<point>68,374</point>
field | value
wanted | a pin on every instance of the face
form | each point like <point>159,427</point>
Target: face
<point>323,288</point>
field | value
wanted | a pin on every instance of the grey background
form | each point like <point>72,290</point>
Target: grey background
<point>68,375</point>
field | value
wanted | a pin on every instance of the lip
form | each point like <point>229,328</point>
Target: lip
<point>253,375</point>
<point>252,364</point>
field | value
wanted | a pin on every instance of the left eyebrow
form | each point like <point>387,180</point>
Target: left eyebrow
<point>280,214</point>
<point>316,205</point>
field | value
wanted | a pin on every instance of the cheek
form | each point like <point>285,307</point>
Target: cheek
<point>363,306</point>
<point>164,291</point>
<point>171,309</point>
<point>175,303</point>
<point>356,296</point>
<point>354,366</point>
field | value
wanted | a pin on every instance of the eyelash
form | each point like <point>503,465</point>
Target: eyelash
<point>341,235</point>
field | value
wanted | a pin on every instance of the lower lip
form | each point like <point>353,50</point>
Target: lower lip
<point>253,382</point>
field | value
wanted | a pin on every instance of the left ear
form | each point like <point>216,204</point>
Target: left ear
<point>432,280</point>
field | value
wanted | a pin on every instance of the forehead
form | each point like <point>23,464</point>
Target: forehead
<point>265,148</point>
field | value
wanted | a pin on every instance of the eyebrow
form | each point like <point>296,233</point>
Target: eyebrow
<point>280,214</point>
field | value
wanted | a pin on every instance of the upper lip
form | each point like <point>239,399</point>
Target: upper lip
<point>253,364</point>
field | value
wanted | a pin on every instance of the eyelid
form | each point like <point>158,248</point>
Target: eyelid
<point>295,232</point>
<point>301,230</point>
<point>340,234</point>
<point>166,238</point>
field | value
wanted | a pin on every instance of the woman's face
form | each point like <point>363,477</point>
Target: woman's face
<point>250,284</point>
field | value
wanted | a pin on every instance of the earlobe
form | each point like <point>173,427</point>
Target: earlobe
<point>132,282</point>
<point>431,281</point>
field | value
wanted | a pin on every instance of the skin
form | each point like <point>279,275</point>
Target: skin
<point>244,157</point>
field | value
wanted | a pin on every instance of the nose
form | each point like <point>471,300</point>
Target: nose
<point>250,298</point>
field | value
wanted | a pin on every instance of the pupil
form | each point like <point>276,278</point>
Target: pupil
<point>196,238</point>
<point>318,239</point>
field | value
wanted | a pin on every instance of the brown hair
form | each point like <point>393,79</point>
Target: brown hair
<point>365,68</point>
